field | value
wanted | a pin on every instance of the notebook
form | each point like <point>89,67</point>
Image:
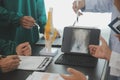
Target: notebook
<point>75,46</point>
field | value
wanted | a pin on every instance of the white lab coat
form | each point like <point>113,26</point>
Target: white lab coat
<point>108,6</point>
<point>115,64</point>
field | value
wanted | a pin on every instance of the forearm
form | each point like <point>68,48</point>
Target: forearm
<point>41,15</point>
<point>10,17</point>
<point>98,5</point>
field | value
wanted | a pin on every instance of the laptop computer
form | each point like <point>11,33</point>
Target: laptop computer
<point>75,46</point>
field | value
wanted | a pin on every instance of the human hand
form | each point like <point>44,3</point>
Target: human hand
<point>80,5</point>
<point>27,22</point>
<point>118,36</point>
<point>117,4</point>
<point>102,51</point>
<point>24,49</point>
<point>75,75</point>
<point>9,63</point>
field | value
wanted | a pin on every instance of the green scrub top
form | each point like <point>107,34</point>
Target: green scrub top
<point>7,47</point>
<point>11,12</point>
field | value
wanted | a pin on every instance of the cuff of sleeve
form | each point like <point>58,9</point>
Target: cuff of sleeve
<point>114,60</point>
<point>114,72</point>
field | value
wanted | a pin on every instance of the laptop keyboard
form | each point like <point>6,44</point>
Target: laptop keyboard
<point>76,60</point>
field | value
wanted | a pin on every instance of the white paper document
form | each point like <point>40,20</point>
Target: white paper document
<point>44,76</point>
<point>34,62</point>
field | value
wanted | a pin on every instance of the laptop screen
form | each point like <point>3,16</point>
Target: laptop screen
<point>77,40</point>
<point>80,40</point>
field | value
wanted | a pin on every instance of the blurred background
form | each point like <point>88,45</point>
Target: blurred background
<point>63,15</point>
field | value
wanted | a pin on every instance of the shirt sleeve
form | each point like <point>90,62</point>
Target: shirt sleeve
<point>7,47</point>
<point>41,11</point>
<point>98,5</point>
<point>115,64</point>
<point>10,17</point>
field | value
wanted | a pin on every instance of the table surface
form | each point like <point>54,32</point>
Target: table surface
<point>94,73</point>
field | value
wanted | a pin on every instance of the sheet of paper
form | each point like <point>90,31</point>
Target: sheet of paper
<point>44,76</point>
<point>33,62</point>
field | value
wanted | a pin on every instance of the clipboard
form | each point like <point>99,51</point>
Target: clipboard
<point>34,62</point>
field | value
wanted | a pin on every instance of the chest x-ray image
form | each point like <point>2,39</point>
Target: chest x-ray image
<point>80,41</point>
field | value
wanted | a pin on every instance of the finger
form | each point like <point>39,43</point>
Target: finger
<point>74,6</point>
<point>118,36</point>
<point>14,56</point>
<point>19,53</point>
<point>9,68</point>
<point>73,71</point>
<point>92,46</point>
<point>74,9</point>
<point>15,65</point>
<point>12,68</point>
<point>28,25</point>
<point>93,49</point>
<point>25,22</point>
<point>25,48</point>
<point>103,41</point>
<point>27,53</point>
<point>15,60</point>
<point>65,77</point>
<point>22,45</point>
<point>80,13</point>
<point>29,19</point>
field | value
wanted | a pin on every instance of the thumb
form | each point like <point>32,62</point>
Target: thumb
<point>24,44</point>
<point>104,43</point>
<point>14,56</point>
<point>73,71</point>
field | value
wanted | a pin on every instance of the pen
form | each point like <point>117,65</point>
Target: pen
<point>77,13</point>
<point>36,24</point>
<point>77,3</point>
<point>43,63</point>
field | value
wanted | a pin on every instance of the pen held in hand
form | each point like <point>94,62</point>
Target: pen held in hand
<point>78,11</point>
<point>36,24</point>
